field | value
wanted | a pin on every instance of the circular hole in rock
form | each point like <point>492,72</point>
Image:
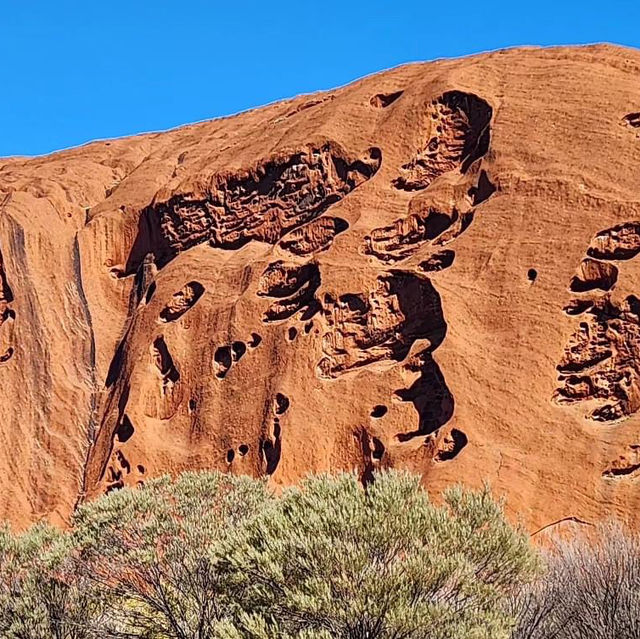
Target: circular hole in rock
<point>255,340</point>
<point>378,449</point>
<point>292,333</point>
<point>243,449</point>
<point>281,404</point>
<point>238,349</point>
<point>141,469</point>
<point>379,411</point>
<point>125,430</point>
<point>532,274</point>
<point>117,272</point>
<point>230,455</point>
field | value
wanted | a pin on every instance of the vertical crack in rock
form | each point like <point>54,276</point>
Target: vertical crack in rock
<point>7,315</point>
<point>90,365</point>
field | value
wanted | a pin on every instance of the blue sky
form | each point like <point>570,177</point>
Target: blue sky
<point>76,71</point>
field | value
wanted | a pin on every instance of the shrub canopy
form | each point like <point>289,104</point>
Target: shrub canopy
<point>590,589</point>
<point>213,556</point>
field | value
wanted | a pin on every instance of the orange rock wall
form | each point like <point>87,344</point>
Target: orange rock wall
<point>434,268</point>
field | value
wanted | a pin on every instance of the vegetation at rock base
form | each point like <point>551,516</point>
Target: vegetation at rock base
<point>590,589</point>
<point>216,556</point>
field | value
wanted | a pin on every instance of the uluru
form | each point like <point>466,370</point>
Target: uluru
<point>435,268</point>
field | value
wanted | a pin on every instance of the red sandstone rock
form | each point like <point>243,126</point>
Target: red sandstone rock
<point>434,268</point>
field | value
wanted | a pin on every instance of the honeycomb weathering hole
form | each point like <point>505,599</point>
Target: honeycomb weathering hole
<point>223,360</point>
<point>316,236</point>
<point>597,366</point>
<point>379,411</point>
<point>632,120</point>
<point>164,361</point>
<point>281,404</point>
<point>377,449</point>
<point>621,242</point>
<point>429,395</point>
<point>380,324</point>
<point>292,286</point>
<point>483,190</point>
<point>125,430</point>
<point>182,301</point>
<point>451,445</point>
<point>254,341</point>
<point>577,307</point>
<point>272,198</point>
<point>459,134</point>
<point>238,349</point>
<point>383,100</point>
<point>438,261</point>
<point>422,227</point>
<point>593,274</point>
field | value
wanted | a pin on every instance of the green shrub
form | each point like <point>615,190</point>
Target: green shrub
<point>155,551</point>
<point>332,560</point>
<point>213,556</point>
<point>42,596</point>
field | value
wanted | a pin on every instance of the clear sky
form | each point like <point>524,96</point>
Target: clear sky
<point>73,71</point>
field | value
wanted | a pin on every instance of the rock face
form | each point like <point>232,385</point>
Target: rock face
<point>435,268</point>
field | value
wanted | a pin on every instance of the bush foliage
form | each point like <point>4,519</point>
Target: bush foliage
<point>589,590</point>
<point>213,556</point>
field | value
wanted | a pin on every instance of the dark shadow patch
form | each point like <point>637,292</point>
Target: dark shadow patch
<point>383,100</point>
<point>429,395</point>
<point>125,430</point>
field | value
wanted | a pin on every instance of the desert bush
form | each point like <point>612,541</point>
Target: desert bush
<point>331,560</point>
<point>213,556</point>
<point>155,551</point>
<point>42,596</point>
<point>590,590</point>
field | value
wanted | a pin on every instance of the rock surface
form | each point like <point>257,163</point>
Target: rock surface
<point>434,268</point>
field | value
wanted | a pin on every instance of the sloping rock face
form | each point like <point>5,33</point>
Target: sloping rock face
<point>435,268</point>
